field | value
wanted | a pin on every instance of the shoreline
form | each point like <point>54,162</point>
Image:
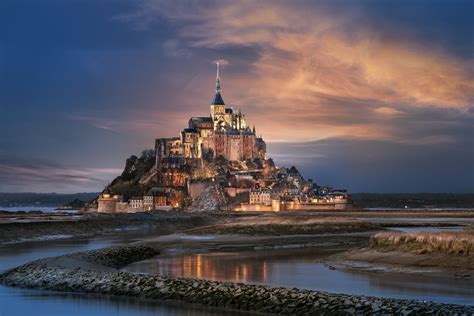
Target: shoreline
<point>97,272</point>
<point>48,227</point>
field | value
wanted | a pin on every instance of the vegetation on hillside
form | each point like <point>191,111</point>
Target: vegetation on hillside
<point>128,183</point>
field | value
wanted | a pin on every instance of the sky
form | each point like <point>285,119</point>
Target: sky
<point>367,95</point>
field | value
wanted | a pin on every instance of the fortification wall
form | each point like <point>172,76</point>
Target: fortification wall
<point>106,205</point>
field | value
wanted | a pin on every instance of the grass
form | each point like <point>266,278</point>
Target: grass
<point>458,243</point>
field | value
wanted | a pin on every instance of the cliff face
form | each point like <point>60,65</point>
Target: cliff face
<point>212,198</point>
<point>172,175</point>
<point>131,181</point>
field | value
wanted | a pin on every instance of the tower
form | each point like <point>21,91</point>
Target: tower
<point>217,105</point>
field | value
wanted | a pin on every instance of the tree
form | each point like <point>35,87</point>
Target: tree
<point>148,153</point>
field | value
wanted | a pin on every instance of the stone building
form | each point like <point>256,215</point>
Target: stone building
<point>136,203</point>
<point>154,199</point>
<point>260,196</point>
<point>107,202</point>
<point>223,133</point>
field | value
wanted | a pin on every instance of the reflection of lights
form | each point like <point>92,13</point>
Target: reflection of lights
<point>211,267</point>
<point>264,272</point>
<point>198,266</point>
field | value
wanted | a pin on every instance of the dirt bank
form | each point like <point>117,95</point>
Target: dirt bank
<point>94,224</point>
<point>286,225</point>
<point>406,260</point>
<point>442,251</point>
<point>24,226</point>
<point>455,242</point>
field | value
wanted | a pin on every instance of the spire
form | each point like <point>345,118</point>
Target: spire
<point>217,97</point>
<point>218,80</point>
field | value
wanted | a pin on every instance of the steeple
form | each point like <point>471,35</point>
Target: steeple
<point>217,97</point>
<point>218,80</point>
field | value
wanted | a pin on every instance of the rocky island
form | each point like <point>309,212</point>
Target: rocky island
<point>216,163</point>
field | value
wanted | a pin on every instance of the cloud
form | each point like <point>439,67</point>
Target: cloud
<point>315,67</point>
<point>138,121</point>
<point>222,62</point>
<point>45,176</point>
<point>389,112</point>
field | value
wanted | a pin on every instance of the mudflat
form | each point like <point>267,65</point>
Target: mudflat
<point>342,238</point>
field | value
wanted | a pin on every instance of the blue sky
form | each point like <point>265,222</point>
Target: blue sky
<point>372,96</point>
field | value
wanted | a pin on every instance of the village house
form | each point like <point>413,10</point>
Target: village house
<point>136,203</point>
<point>261,196</point>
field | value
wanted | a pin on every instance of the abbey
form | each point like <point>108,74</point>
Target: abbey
<point>216,163</point>
<point>224,133</point>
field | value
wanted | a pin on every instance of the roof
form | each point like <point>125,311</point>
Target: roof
<point>190,130</point>
<point>201,119</point>
<point>218,99</point>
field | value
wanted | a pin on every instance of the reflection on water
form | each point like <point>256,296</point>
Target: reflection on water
<point>39,303</point>
<point>301,268</point>
<point>216,266</point>
<point>33,302</point>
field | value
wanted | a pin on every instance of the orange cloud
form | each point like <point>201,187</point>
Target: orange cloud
<point>308,61</point>
<point>389,112</point>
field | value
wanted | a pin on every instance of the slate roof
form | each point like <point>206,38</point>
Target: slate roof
<point>201,119</point>
<point>190,130</point>
<point>218,99</point>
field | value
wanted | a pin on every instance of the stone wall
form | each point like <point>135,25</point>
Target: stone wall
<point>232,192</point>
<point>106,203</point>
<point>254,208</point>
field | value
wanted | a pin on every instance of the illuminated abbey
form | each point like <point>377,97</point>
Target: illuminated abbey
<point>224,133</point>
<point>216,163</point>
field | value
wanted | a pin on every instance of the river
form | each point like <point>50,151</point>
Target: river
<point>290,267</point>
<point>22,302</point>
<point>302,268</point>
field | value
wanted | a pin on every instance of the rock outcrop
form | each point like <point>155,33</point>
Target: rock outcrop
<point>212,198</point>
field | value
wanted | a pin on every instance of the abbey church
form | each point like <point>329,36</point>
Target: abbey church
<point>224,133</point>
<point>216,163</point>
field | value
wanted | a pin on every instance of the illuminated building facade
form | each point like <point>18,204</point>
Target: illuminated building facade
<point>224,133</point>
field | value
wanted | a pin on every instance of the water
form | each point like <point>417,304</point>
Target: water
<point>44,209</point>
<point>427,229</point>
<point>15,302</point>
<point>29,302</point>
<point>302,268</point>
